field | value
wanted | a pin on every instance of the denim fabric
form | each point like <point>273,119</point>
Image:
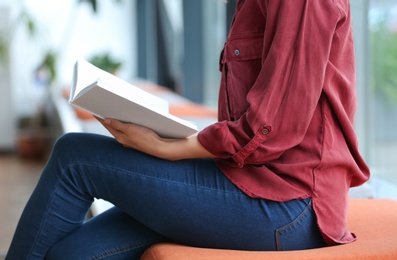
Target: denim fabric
<point>295,235</point>
<point>188,201</point>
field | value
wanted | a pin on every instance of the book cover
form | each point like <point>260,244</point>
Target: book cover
<point>107,96</point>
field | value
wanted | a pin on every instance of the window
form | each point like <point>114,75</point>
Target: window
<point>179,42</point>
<point>374,27</point>
<point>382,89</point>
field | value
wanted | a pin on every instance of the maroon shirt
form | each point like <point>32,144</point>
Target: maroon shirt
<point>286,107</point>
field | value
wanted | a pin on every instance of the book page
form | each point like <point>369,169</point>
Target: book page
<point>107,96</point>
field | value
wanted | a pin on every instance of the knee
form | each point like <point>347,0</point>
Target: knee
<point>66,146</point>
<point>72,143</point>
<point>67,140</point>
<point>75,146</point>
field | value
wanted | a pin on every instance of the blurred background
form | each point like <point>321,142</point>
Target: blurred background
<point>174,44</point>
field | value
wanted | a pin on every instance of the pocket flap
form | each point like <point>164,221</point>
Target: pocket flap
<point>243,47</point>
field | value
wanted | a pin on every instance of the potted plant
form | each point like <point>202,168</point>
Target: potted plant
<point>106,62</point>
<point>35,126</point>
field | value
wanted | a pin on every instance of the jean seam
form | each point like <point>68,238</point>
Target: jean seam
<point>125,172</point>
<point>297,220</point>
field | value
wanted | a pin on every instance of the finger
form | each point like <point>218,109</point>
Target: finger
<point>114,132</point>
<point>110,125</point>
<point>101,121</point>
<point>117,125</point>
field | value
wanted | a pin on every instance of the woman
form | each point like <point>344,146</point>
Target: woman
<point>272,174</point>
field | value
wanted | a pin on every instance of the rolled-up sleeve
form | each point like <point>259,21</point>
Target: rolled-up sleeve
<point>280,102</point>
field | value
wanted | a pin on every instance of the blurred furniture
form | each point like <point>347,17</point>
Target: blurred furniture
<point>373,220</point>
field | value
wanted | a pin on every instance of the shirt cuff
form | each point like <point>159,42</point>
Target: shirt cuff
<point>248,149</point>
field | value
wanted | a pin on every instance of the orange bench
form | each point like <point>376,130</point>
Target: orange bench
<point>373,220</point>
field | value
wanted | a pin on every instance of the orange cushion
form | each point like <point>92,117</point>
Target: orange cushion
<point>373,220</point>
<point>190,109</point>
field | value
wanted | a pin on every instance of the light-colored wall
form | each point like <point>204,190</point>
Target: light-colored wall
<point>73,31</point>
<point>7,124</point>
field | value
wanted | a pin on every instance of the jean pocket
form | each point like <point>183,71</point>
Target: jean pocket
<point>301,233</point>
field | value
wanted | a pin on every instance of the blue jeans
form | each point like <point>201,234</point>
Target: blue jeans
<point>188,201</point>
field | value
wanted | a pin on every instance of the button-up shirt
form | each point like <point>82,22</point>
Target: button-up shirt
<point>287,102</point>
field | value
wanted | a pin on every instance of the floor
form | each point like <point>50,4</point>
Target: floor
<point>17,179</point>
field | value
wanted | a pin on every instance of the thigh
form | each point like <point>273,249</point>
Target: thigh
<point>187,201</point>
<point>111,235</point>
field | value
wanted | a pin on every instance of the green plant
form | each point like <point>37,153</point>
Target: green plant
<point>25,20</point>
<point>48,64</point>
<point>94,4</point>
<point>384,63</point>
<point>106,62</point>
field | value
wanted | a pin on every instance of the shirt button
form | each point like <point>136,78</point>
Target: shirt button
<point>237,52</point>
<point>265,131</point>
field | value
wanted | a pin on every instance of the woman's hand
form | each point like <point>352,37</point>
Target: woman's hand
<point>147,141</point>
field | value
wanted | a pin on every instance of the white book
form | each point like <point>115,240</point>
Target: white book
<point>107,96</point>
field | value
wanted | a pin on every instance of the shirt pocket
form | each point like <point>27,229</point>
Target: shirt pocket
<point>243,47</point>
<point>242,61</point>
